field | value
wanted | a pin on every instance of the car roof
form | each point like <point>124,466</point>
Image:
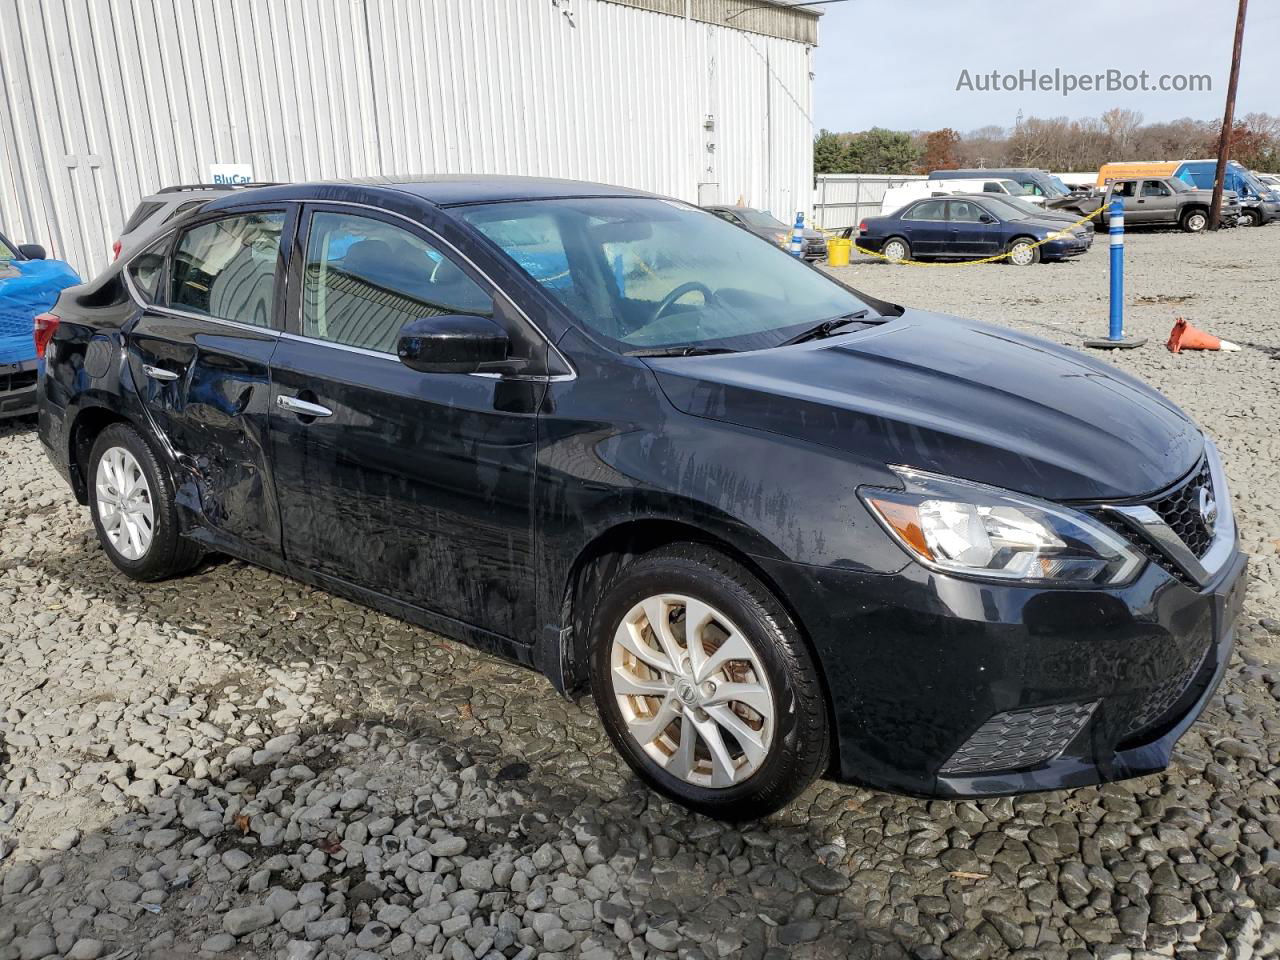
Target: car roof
<point>443,190</point>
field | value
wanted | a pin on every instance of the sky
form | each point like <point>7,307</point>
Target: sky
<point>897,63</point>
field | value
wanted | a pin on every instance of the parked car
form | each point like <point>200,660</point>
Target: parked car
<point>765,224</point>
<point>29,285</point>
<point>1027,209</point>
<point>895,198</point>
<point>970,227</point>
<point>1160,202</point>
<point>778,527</point>
<point>1259,204</point>
<point>168,204</point>
<point>1036,182</point>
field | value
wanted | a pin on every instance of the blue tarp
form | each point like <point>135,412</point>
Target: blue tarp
<point>27,287</point>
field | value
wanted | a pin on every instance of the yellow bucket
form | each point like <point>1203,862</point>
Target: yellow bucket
<point>838,251</point>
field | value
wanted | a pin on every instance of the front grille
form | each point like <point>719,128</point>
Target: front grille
<point>1147,548</point>
<point>1181,511</point>
<point>1020,739</point>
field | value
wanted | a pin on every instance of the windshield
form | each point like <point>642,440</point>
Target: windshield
<point>644,273</point>
<point>1178,186</point>
<point>1254,185</point>
<point>759,218</point>
<point>1062,187</point>
<point>6,251</point>
<point>1014,208</point>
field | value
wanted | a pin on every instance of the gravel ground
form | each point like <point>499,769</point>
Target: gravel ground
<point>233,764</point>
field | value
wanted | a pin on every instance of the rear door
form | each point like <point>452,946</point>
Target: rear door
<point>927,228</point>
<point>199,354</point>
<point>416,486</point>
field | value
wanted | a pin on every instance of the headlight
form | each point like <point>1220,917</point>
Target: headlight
<point>972,529</point>
<point>1060,235</point>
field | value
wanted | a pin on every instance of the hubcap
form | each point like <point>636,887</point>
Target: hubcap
<point>1021,254</point>
<point>125,509</point>
<point>1197,221</point>
<point>895,251</point>
<point>692,691</point>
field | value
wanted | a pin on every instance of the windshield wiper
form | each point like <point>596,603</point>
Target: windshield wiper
<point>827,327</point>
<point>685,351</point>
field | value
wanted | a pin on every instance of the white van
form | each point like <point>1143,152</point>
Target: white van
<point>895,198</point>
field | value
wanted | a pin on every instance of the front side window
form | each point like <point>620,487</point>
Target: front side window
<point>929,210</point>
<point>644,273</point>
<point>966,211</point>
<point>1154,188</point>
<point>227,268</point>
<point>364,279</point>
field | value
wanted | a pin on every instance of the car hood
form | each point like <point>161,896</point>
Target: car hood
<point>955,397</point>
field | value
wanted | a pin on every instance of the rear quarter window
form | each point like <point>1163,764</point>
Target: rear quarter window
<point>141,215</point>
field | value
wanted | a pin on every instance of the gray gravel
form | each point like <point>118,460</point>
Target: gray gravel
<point>235,765</point>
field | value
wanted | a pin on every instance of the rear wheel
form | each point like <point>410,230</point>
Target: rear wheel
<point>1194,221</point>
<point>131,501</point>
<point>704,685</point>
<point>1023,252</point>
<point>896,249</point>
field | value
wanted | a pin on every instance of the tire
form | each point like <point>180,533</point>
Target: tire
<point>1249,218</point>
<point>779,756</point>
<point>142,539</point>
<point>896,243</point>
<point>1022,253</point>
<point>1195,221</point>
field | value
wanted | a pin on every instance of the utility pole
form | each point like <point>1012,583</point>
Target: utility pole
<point>1228,121</point>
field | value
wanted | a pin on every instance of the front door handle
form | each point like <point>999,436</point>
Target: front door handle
<point>159,373</point>
<point>302,407</point>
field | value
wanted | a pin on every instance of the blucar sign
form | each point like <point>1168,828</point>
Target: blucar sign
<point>227,174</point>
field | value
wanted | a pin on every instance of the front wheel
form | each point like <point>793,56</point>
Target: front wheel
<point>1023,253</point>
<point>1249,218</point>
<point>705,686</point>
<point>1194,221</point>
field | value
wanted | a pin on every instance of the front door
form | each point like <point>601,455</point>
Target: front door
<point>416,486</point>
<point>968,232</point>
<point>200,354</point>
<point>1157,204</point>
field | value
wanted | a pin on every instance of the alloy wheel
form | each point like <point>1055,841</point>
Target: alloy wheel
<point>692,691</point>
<point>125,506</point>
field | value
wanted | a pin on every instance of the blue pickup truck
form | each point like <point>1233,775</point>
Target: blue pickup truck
<point>29,285</point>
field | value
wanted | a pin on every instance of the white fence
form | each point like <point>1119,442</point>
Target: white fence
<point>842,199</point>
<point>105,101</point>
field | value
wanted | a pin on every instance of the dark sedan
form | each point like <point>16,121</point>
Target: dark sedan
<point>776,526</point>
<point>765,224</point>
<point>971,227</point>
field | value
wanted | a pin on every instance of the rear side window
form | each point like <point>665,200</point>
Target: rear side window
<point>227,268</point>
<point>928,210</point>
<point>365,279</point>
<point>144,212</point>
<point>186,207</point>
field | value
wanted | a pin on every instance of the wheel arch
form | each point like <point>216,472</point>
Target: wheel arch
<point>88,424</point>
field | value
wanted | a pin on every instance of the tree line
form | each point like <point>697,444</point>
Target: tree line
<point>1053,143</point>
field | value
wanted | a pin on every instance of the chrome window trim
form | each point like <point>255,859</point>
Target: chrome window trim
<point>282,334</point>
<point>1151,525</point>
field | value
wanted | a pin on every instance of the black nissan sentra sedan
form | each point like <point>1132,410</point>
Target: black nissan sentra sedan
<point>777,527</point>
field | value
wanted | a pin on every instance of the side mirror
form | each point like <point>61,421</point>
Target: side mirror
<point>455,343</point>
<point>32,251</point>
<point>986,218</point>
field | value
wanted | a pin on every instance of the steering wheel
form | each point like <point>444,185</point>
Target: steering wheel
<point>683,290</point>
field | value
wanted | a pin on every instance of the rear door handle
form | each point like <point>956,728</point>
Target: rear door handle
<point>301,407</point>
<point>159,373</point>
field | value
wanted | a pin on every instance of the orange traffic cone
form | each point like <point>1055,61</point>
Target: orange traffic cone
<point>1184,336</point>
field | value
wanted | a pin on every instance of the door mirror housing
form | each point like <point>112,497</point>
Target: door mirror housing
<point>986,218</point>
<point>32,251</point>
<point>454,343</point>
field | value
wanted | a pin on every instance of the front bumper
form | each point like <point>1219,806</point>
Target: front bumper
<point>1060,249</point>
<point>921,666</point>
<point>18,388</point>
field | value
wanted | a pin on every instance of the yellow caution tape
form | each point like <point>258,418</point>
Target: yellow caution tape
<point>967,263</point>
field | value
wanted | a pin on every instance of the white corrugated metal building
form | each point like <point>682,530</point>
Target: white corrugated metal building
<point>105,101</point>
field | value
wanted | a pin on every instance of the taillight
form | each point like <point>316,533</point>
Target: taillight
<point>115,250</point>
<point>862,226</point>
<point>43,328</point>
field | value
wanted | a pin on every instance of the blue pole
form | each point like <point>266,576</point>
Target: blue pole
<point>1115,337</point>
<point>1116,331</point>
<point>797,237</point>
